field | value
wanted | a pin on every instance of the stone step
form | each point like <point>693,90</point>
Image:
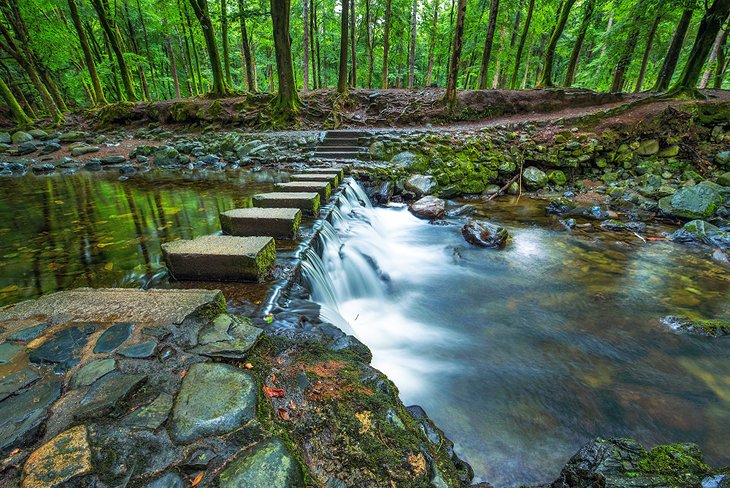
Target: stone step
<point>346,134</point>
<point>280,223</point>
<point>221,258</point>
<point>328,149</point>
<point>341,141</point>
<point>307,202</point>
<point>322,187</point>
<point>332,178</point>
<point>336,155</point>
<point>334,169</point>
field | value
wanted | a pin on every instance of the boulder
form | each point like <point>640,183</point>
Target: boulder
<point>559,206</point>
<point>710,328</point>
<point>420,184</point>
<point>701,232</point>
<point>405,159</point>
<point>5,138</point>
<point>377,151</point>
<point>723,159</point>
<point>268,464</point>
<point>648,147</point>
<point>694,202</point>
<point>557,177</point>
<point>227,337</point>
<point>26,148</point>
<point>534,178</point>
<point>38,134</point>
<point>21,137</point>
<point>485,234</point>
<point>669,152</point>
<point>724,179</point>
<point>81,150</point>
<point>72,136</point>
<point>429,207</point>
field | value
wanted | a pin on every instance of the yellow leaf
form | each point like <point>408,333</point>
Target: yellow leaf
<point>365,418</point>
<point>109,266</point>
<point>9,288</point>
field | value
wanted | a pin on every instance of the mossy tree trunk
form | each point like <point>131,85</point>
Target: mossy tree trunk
<point>521,46</point>
<point>546,80</point>
<point>721,61</point>
<point>287,99</point>
<point>647,52</point>
<point>588,9</point>
<point>19,115</point>
<point>456,55</point>
<point>200,8</point>
<point>98,91</point>
<point>115,44</point>
<point>675,48</point>
<point>706,34</point>
<point>224,39</point>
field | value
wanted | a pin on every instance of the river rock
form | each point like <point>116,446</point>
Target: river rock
<point>21,137</point>
<point>140,350</point>
<point>648,147</point>
<point>22,415</point>
<point>695,202</point>
<point>485,234</point>
<point>669,152</point>
<point>724,179</point>
<point>377,151</point>
<point>5,138</point>
<point>420,184</point>
<point>699,231</point>
<point>92,371</point>
<point>17,380</point>
<point>559,206</point>
<point>25,148</point>
<point>9,351</point>
<point>269,464</point>
<point>166,156</point>
<point>72,136</point>
<point>429,207</point>
<point>230,397</point>
<point>534,178</point>
<point>557,177</point>
<point>723,159</point>
<point>151,416</point>
<point>63,348</point>
<point>81,150</point>
<point>710,328</point>
<point>405,159</point>
<point>38,134</point>
<point>623,463</point>
<point>108,393</point>
<point>227,337</point>
<point>63,458</point>
<point>49,148</point>
<point>113,337</point>
<point>112,160</point>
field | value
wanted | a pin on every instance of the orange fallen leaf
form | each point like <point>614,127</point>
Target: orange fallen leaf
<point>248,366</point>
<point>274,392</point>
<point>198,478</point>
<point>657,239</point>
<point>283,414</point>
<point>184,372</point>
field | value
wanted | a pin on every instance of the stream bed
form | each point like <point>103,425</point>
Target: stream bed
<point>522,355</point>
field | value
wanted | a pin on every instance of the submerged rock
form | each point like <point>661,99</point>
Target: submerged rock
<point>485,234</point>
<point>269,464</point>
<point>710,328</point>
<point>559,206</point>
<point>429,207</point>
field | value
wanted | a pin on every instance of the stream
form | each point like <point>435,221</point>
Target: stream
<point>523,355</point>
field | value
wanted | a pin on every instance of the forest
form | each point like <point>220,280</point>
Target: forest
<point>58,56</point>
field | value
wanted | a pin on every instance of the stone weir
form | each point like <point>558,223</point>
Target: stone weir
<point>125,387</point>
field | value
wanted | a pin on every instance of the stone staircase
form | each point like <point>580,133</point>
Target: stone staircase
<point>247,251</point>
<point>341,144</point>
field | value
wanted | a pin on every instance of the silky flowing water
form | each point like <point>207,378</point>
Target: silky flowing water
<point>523,355</point>
<point>90,229</point>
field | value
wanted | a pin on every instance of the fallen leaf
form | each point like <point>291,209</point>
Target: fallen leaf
<point>417,462</point>
<point>283,414</point>
<point>184,372</point>
<point>248,366</point>
<point>198,478</point>
<point>365,419</point>
<point>274,392</point>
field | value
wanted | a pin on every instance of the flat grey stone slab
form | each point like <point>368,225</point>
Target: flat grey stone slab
<point>113,337</point>
<point>331,178</point>
<point>307,202</point>
<point>115,305</point>
<point>214,399</point>
<point>107,393</point>
<point>321,187</point>
<point>22,415</point>
<point>17,380</point>
<point>92,371</point>
<point>227,337</point>
<point>338,170</point>
<point>221,258</point>
<point>150,416</point>
<point>279,223</point>
<point>140,350</point>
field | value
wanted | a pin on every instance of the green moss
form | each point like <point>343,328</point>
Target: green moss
<point>265,260</point>
<point>681,464</point>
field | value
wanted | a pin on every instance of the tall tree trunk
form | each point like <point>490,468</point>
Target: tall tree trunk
<point>609,26</point>
<point>624,60</point>
<point>147,48</point>
<point>16,111</point>
<point>344,24</point>
<point>353,50</point>
<point>173,68</point>
<point>386,44</point>
<point>412,52</point>
<point>647,51</point>
<point>563,13</point>
<point>115,45</point>
<point>246,47</point>
<point>287,99</point>
<point>721,62</point>
<point>135,50</point>
<point>521,45</point>
<point>311,47</point>
<point>706,33</point>
<point>456,54</point>
<point>488,41</point>
<point>52,88</point>
<point>721,36</point>
<point>200,7</point>
<point>188,55</point>
<point>224,36</point>
<point>588,7</point>
<point>97,90</point>
<point>675,48</point>
<point>432,42</point>
<point>371,54</point>
<point>305,44</point>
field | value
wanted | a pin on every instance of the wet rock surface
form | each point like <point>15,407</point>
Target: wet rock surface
<point>429,207</point>
<point>269,464</point>
<point>485,234</point>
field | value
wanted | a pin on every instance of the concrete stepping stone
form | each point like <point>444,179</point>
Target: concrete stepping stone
<point>340,171</point>
<point>92,371</point>
<point>221,258</point>
<point>321,187</point>
<point>107,393</point>
<point>332,178</point>
<point>214,399</point>
<point>307,202</point>
<point>113,337</point>
<point>279,223</point>
<point>268,464</point>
